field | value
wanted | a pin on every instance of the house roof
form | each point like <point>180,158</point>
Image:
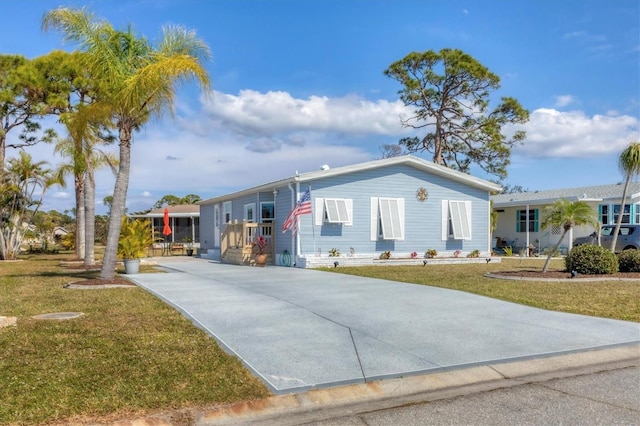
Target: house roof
<point>408,160</point>
<point>585,193</point>
<point>182,210</point>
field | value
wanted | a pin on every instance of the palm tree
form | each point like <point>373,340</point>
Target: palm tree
<point>142,80</point>
<point>85,157</point>
<point>190,199</point>
<point>567,214</point>
<point>629,163</point>
<point>22,189</point>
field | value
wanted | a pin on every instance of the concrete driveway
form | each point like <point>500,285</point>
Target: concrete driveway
<point>299,329</point>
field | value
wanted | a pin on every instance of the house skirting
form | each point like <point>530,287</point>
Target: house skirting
<point>329,262</point>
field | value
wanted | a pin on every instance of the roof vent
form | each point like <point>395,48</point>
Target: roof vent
<point>324,167</point>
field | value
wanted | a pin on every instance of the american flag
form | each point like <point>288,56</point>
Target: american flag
<point>302,207</point>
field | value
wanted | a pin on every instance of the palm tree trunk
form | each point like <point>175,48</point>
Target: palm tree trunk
<point>118,204</point>
<point>555,249</point>
<point>80,217</point>
<point>90,218</point>
<point>614,241</point>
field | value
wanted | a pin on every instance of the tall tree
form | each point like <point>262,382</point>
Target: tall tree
<point>23,92</point>
<point>82,164</point>
<point>450,92</point>
<point>629,164</point>
<point>190,199</point>
<point>72,88</point>
<point>391,150</point>
<point>142,81</point>
<point>567,214</point>
<point>23,186</point>
<point>167,200</point>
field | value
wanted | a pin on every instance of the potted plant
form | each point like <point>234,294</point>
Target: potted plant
<point>188,243</point>
<point>135,238</point>
<point>260,257</point>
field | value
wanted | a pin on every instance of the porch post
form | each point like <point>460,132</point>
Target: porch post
<point>526,250</point>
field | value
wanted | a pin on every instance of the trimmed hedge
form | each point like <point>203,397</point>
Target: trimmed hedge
<point>629,261</point>
<point>588,259</point>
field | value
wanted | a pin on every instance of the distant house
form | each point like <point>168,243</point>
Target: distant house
<point>184,221</point>
<point>401,205</point>
<point>59,232</point>
<point>520,214</point>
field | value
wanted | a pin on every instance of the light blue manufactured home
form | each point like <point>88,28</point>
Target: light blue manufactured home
<point>401,205</point>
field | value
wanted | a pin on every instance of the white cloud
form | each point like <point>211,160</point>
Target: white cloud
<point>63,195</point>
<point>563,100</point>
<point>573,134</point>
<point>251,113</point>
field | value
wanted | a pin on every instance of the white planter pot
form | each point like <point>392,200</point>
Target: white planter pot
<point>131,266</point>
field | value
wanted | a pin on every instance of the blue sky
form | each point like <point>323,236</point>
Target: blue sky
<point>299,84</point>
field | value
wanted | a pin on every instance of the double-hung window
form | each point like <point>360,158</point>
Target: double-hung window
<point>456,220</point>
<point>267,212</point>
<point>249,212</point>
<point>387,218</point>
<point>604,214</point>
<point>625,215</point>
<point>226,207</point>
<point>333,210</point>
<point>521,220</point>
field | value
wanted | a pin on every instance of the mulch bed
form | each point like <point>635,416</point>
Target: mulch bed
<point>564,275</point>
<point>77,265</point>
<point>99,282</point>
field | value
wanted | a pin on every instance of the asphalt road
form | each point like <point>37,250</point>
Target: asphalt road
<point>603,398</point>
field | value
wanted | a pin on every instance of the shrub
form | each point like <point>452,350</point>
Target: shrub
<point>68,241</point>
<point>475,253</point>
<point>385,255</point>
<point>590,260</point>
<point>334,252</point>
<point>629,261</point>
<point>431,253</point>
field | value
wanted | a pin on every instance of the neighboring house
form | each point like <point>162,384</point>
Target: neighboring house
<point>184,221</point>
<point>59,232</point>
<point>520,214</point>
<point>400,204</point>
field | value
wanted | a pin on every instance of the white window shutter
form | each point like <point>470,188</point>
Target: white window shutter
<point>401,218</point>
<point>374,219</point>
<point>392,218</point>
<point>318,211</point>
<point>467,207</point>
<point>445,220</point>
<point>349,203</point>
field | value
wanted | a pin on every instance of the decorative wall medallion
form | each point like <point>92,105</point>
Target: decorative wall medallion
<point>421,194</point>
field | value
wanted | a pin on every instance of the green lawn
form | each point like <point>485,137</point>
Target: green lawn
<point>132,354</point>
<point>129,354</point>
<point>608,299</point>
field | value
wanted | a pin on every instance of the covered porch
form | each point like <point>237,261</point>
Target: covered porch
<point>237,242</point>
<point>184,221</point>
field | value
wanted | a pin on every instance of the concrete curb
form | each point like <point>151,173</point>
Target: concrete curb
<point>328,403</point>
